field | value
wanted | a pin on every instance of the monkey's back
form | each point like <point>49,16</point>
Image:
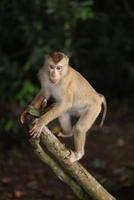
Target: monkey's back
<point>83,92</point>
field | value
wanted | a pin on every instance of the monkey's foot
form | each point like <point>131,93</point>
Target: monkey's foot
<point>60,134</point>
<point>74,156</point>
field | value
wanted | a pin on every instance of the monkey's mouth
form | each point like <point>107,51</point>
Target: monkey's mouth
<point>54,80</point>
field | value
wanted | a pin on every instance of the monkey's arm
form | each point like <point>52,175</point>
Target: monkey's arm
<point>56,110</point>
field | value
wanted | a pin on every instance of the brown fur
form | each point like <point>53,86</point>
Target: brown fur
<point>57,56</point>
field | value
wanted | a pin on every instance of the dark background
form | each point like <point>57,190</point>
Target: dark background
<point>98,36</point>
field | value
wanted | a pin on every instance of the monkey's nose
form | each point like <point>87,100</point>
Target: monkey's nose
<point>53,75</point>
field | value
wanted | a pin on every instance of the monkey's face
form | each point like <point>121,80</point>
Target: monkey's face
<point>55,73</point>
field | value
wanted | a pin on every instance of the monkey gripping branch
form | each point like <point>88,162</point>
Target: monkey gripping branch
<point>79,179</point>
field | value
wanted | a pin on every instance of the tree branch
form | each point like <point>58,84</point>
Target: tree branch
<point>78,191</point>
<point>76,170</point>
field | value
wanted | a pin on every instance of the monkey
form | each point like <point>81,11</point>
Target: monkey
<point>73,95</point>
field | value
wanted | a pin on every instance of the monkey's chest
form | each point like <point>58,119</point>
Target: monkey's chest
<point>55,93</point>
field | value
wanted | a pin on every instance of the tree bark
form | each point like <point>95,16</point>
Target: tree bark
<point>75,170</point>
<point>78,191</point>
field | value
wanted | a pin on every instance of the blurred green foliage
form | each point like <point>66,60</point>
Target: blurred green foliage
<point>98,36</point>
<point>30,30</point>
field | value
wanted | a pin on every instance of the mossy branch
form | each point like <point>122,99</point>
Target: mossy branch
<point>81,176</point>
<point>57,169</point>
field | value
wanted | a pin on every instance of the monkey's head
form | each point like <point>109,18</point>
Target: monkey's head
<point>56,65</point>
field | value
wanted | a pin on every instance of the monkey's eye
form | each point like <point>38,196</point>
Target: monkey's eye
<point>51,66</point>
<point>58,68</point>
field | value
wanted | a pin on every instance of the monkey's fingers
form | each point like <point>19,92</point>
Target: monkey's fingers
<point>35,131</point>
<point>67,160</point>
<point>73,157</point>
<point>36,135</point>
<point>36,126</point>
<point>35,121</point>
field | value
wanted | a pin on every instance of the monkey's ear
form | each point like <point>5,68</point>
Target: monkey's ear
<point>67,59</point>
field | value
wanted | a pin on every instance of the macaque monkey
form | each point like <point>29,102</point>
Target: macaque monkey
<point>73,96</point>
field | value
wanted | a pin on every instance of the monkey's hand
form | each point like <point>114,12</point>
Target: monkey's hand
<point>38,125</point>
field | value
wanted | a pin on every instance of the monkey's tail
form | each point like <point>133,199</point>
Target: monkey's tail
<point>104,103</point>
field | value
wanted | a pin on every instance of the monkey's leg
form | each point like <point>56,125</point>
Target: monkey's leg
<point>84,123</point>
<point>66,126</point>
